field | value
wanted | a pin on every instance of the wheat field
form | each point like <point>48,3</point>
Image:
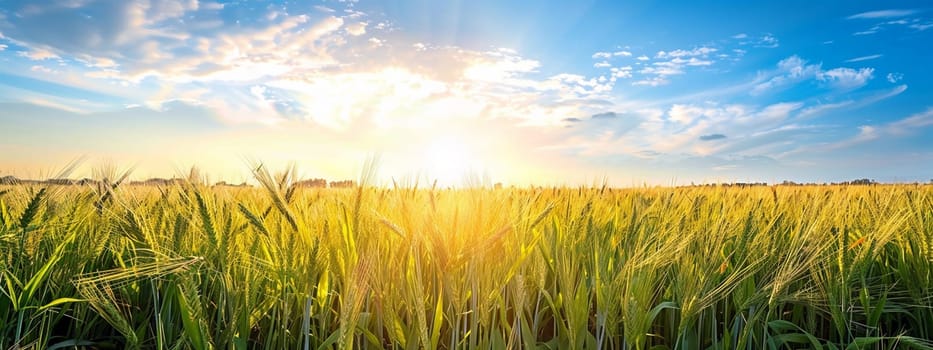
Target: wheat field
<point>277,266</point>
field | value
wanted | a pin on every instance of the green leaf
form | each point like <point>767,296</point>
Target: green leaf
<point>33,285</point>
<point>799,336</point>
<point>60,301</point>
<point>330,341</point>
<point>190,324</point>
<point>438,320</point>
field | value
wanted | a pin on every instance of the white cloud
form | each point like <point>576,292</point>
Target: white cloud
<point>794,69</point>
<point>499,66</point>
<point>39,54</point>
<point>847,78</point>
<point>892,130</point>
<point>675,62</point>
<point>663,70</point>
<point>3,47</point>
<point>911,124</point>
<point>684,129</point>
<point>210,5</point>
<point>602,64</point>
<point>819,109</point>
<point>324,9</point>
<point>684,114</point>
<point>863,58</point>
<point>160,10</point>
<point>740,36</point>
<point>768,41</point>
<point>693,61</point>
<point>621,72</point>
<point>870,31</point>
<point>699,51</point>
<point>779,111</point>
<point>602,55</point>
<point>882,14</point>
<point>42,69</point>
<point>915,24</point>
<point>651,81</point>
<point>922,27</point>
<point>356,29</point>
<point>894,77</point>
<point>681,132</point>
<point>872,98</point>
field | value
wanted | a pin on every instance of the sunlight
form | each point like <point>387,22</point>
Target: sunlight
<point>448,160</point>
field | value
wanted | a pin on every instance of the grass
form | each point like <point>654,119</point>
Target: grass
<point>193,266</point>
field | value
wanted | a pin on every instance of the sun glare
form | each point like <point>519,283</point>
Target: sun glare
<point>448,161</point>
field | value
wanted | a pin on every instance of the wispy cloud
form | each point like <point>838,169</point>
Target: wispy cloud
<point>863,58</point>
<point>794,69</point>
<point>822,108</point>
<point>675,62</point>
<point>768,41</point>
<point>922,26</point>
<point>902,21</point>
<point>654,81</point>
<point>695,52</point>
<point>847,78</point>
<point>869,31</point>
<point>607,55</point>
<point>900,128</point>
<point>911,124</point>
<point>39,54</point>
<point>621,72</point>
<point>42,69</point>
<point>657,69</point>
<point>691,130</point>
<point>893,13</point>
<point>894,77</point>
<point>790,70</point>
<point>356,29</point>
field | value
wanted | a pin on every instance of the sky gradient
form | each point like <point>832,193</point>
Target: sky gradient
<point>521,92</point>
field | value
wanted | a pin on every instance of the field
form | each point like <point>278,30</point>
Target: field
<point>282,267</point>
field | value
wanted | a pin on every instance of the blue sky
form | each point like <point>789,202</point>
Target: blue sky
<point>546,92</point>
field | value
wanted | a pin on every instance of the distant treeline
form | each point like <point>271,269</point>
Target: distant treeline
<point>324,183</point>
<point>792,183</point>
<point>316,183</point>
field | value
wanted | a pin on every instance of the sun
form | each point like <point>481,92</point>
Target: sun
<point>448,161</point>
